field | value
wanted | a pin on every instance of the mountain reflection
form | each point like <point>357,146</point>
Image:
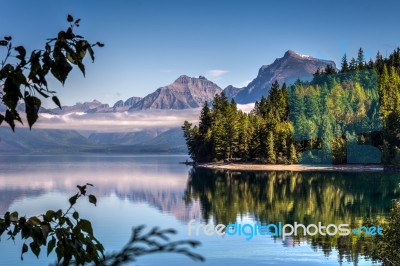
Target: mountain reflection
<point>153,180</point>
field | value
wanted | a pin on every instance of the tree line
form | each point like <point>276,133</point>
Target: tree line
<point>350,115</point>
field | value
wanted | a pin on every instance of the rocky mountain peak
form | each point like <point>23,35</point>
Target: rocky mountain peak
<point>185,92</point>
<point>183,79</point>
<point>287,69</point>
<point>291,53</point>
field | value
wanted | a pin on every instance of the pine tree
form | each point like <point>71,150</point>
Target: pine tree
<point>220,125</point>
<point>205,119</point>
<point>271,156</point>
<point>273,94</point>
<point>231,129</point>
<point>353,64</point>
<point>384,92</point>
<point>203,139</point>
<point>329,70</point>
<point>292,154</point>
<point>245,132</point>
<point>345,65</point>
<point>188,135</point>
<point>360,59</point>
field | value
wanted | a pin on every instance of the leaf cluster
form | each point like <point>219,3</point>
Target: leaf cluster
<point>64,232</point>
<point>24,77</point>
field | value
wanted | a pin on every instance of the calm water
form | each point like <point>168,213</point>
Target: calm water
<point>156,190</point>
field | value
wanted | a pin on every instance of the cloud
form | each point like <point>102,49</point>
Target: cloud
<point>122,121</point>
<point>216,73</point>
<point>119,122</point>
<point>246,107</point>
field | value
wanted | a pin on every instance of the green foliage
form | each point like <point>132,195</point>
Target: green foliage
<point>24,77</point>
<point>387,249</point>
<point>64,232</point>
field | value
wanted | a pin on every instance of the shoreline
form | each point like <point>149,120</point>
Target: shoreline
<point>296,167</point>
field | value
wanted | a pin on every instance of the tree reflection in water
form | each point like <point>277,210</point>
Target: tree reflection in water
<point>307,197</point>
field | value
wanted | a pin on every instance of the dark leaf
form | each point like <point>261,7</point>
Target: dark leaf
<point>24,250</point>
<point>56,101</point>
<point>35,248</point>
<point>21,221</point>
<point>14,217</point>
<point>92,199</point>
<point>34,221</point>
<point>86,226</point>
<point>61,68</point>
<point>71,58</point>
<point>100,44</point>
<point>69,33</point>
<point>91,53</point>
<point>82,189</point>
<point>32,106</point>
<point>22,52</point>
<point>81,48</point>
<point>45,230</point>
<point>75,215</point>
<point>72,200</point>
<point>81,67</point>
<point>60,253</point>
<point>59,213</point>
<point>26,232</point>
<point>49,215</point>
<point>1,118</point>
<point>7,217</point>
<point>70,18</point>
<point>11,116</point>
<point>50,245</point>
<point>3,43</point>
<point>7,38</point>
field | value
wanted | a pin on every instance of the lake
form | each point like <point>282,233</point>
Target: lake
<point>158,191</point>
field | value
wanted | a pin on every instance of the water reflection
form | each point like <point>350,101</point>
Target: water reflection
<point>155,180</point>
<point>156,190</point>
<point>287,197</point>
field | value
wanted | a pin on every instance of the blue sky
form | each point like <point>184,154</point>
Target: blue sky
<point>150,43</point>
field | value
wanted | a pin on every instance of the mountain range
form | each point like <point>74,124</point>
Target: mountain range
<point>185,93</point>
<point>56,141</point>
<point>189,92</point>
